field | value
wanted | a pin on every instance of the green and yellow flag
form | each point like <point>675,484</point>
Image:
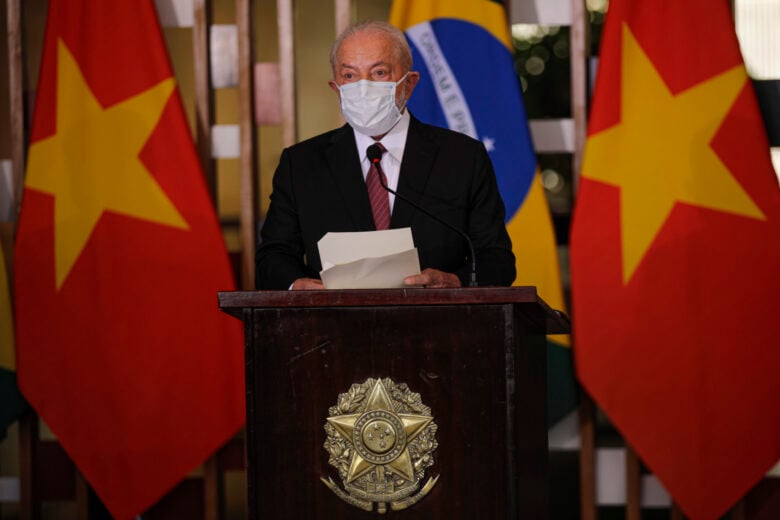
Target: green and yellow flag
<point>463,51</point>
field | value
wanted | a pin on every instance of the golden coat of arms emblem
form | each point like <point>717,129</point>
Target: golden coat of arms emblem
<point>381,439</point>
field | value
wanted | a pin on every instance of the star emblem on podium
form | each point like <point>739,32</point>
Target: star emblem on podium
<point>380,436</point>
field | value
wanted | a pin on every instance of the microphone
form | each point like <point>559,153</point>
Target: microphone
<point>374,154</point>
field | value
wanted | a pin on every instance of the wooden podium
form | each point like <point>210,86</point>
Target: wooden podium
<point>445,385</point>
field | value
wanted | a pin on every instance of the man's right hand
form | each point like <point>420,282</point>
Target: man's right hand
<point>307,284</point>
<point>433,278</point>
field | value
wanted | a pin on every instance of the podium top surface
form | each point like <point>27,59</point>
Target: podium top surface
<point>234,302</point>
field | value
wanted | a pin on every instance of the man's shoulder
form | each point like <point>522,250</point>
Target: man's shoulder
<point>442,135</point>
<point>322,140</point>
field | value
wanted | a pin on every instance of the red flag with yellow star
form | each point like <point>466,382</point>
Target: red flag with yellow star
<point>674,253</point>
<point>119,256</point>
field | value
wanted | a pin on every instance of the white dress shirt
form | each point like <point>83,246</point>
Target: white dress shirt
<point>394,142</point>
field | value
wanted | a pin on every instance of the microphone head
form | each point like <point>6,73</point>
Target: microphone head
<point>374,153</point>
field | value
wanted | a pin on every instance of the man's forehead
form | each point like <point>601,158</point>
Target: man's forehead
<point>368,42</point>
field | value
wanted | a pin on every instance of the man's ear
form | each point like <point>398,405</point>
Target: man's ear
<point>412,77</point>
<point>333,86</point>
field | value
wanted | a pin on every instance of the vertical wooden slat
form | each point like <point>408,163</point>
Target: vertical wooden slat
<point>82,497</point>
<point>579,82</point>
<point>287,70</point>
<point>204,118</point>
<point>343,20</point>
<point>676,513</point>
<point>16,98</point>
<point>248,153</point>
<point>28,423</point>
<point>578,46</point>
<point>203,95</point>
<point>343,16</point>
<point>30,506</point>
<point>587,458</point>
<point>633,493</point>
<point>212,489</point>
<point>738,511</point>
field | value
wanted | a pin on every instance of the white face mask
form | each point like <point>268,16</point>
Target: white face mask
<point>369,106</point>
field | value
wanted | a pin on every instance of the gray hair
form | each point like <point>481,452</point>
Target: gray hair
<point>402,50</point>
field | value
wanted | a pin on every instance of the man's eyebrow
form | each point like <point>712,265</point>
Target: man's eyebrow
<point>381,63</point>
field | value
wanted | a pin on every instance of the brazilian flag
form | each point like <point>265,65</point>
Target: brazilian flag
<point>464,54</point>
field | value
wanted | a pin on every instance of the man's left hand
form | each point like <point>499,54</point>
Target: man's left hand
<point>433,278</point>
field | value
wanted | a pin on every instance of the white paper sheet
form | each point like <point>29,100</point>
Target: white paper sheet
<point>368,259</point>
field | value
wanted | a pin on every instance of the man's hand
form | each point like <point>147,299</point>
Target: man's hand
<point>433,278</point>
<point>303,284</point>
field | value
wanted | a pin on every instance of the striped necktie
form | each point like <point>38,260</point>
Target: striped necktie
<point>380,203</point>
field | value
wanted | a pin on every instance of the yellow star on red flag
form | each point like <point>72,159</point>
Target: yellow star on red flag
<point>660,155</point>
<point>91,165</point>
<point>673,257</point>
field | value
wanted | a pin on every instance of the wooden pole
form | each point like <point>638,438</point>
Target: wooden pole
<point>212,489</point>
<point>204,115</point>
<point>30,506</point>
<point>633,493</point>
<point>578,46</point>
<point>587,458</point>
<point>676,513</point>
<point>16,99</point>
<point>579,82</point>
<point>286,29</point>
<point>82,497</point>
<point>343,20</point>
<point>343,15</point>
<point>203,95</point>
<point>248,152</point>
<point>28,423</point>
<point>738,512</point>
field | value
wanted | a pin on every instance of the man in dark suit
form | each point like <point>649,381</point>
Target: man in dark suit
<point>320,184</point>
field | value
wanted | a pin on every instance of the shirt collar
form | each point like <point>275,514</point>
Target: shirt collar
<point>394,141</point>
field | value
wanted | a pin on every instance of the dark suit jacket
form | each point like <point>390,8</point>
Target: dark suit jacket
<point>318,187</point>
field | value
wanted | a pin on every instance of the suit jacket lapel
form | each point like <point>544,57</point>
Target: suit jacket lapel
<point>344,164</point>
<point>416,165</point>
